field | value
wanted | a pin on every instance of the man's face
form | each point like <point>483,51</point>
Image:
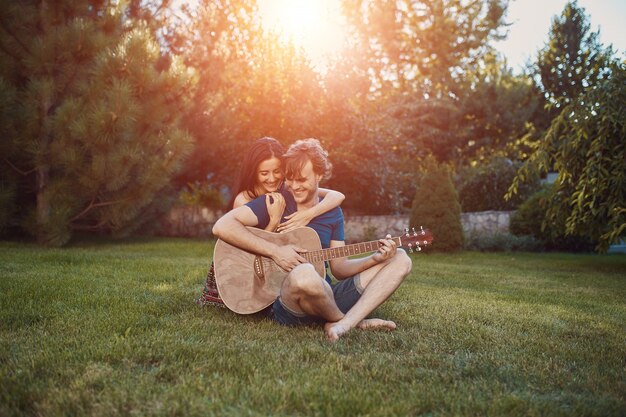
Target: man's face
<point>304,186</point>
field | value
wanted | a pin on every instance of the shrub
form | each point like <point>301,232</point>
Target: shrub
<point>199,194</point>
<point>436,206</point>
<point>482,187</point>
<point>529,219</point>
<point>503,242</point>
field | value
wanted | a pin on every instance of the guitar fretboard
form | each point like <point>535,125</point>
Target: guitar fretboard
<point>343,251</point>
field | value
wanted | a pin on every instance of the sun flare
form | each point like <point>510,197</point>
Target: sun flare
<point>316,26</point>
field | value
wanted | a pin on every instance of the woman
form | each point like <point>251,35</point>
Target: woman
<point>262,173</point>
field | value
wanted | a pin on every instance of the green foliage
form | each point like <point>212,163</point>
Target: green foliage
<point>497,108</point>
<point>573,59</point>
<point>436,79</point>
<point>371,159</point>
<point>585,141</point>
<point>529,216</point>
<point>418,77</point>
<point>251,84</point>
<point>502,242</point>
<point>585,144</point>
<point>102,133</point>
<point>530,221</point>
<point>436,206</point>
<point>424,44</point>
<point>482,187</point>
<point>199,194</point>
<point>368,122</point>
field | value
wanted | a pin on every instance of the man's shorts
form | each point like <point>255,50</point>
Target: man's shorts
<point>346,292</point>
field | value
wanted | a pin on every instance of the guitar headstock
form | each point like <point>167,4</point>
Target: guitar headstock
<point>415,240</point>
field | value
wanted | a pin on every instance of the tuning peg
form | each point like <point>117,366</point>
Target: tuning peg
<point>414,232</point>
<point>410,246</point>
<point>418,248</point>
<point>422,229</point>
<point>406,231</point>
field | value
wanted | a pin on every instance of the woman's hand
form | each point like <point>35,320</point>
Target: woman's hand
<point>275,204</point>
<point>297,219</point>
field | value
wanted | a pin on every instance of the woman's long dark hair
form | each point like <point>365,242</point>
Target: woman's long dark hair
<point>260,150</point>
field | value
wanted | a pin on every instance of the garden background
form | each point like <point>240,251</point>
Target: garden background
<point>111,112</point>
<point>115,113</point>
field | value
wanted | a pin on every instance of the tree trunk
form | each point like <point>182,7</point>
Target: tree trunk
<point>43,202</point>
<point>43,168</point>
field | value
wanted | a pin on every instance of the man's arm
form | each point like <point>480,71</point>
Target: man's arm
<point>330,200</point>
<point>344,268</point>
<point>231,228</point>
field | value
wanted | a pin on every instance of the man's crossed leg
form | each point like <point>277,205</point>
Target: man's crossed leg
<point>307,297</point>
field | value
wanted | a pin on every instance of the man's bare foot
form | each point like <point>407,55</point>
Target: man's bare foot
<point>334,331</point>
<point>376,324</point>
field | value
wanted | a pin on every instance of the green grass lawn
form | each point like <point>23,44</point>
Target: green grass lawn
<point>106,328</point>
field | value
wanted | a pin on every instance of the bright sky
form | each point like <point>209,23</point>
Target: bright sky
<point>315,25</point>
<point>531,20</point>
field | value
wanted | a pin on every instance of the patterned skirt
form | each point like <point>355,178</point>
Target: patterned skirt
<point>210,295</point>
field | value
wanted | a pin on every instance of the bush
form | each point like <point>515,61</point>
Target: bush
<point>436,206</point>
<point>200,194</point>
<point>483,187</point>
<point>528,221</point>
<point>503,242</point>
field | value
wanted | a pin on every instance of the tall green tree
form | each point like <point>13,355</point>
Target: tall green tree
<point>585,144</point>
<point>99,136</point>
<point>497,108</point>
<point>411,55</point>
<point>573,59</point>
<point>434,71</point>
<point>362,138</point>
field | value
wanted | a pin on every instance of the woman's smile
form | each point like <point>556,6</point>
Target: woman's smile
<point>270,175</point>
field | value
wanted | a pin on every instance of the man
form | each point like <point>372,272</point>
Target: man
<point>305,297</point>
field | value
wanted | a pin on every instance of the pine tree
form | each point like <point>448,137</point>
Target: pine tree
<point>436,206</point>
<point>573,59</point>
<point>100,134</point>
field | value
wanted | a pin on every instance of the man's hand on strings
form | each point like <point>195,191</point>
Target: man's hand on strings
<point>387,249</point>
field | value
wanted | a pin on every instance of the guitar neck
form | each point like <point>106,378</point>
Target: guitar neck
<point>344,251</point>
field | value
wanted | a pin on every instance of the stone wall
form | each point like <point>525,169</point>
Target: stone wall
<point>366,228</point>
<point>198,221</point>
<point>359,228</point>
<point>486,222</point>
<point>188,222</point>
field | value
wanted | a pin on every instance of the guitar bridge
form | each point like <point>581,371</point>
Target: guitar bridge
<point>258,267</point>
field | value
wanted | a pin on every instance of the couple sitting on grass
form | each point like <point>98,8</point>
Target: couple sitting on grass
<point>305,296</point>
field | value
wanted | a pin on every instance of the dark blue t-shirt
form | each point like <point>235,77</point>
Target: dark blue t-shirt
<point>329,225</point>
<point>259,207</point>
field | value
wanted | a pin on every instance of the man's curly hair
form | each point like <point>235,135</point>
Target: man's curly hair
<point>302,151</point>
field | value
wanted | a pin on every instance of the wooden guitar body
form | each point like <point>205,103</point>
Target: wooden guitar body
<point>248,282</point>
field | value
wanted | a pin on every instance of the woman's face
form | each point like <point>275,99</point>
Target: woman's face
<point>269,175</point>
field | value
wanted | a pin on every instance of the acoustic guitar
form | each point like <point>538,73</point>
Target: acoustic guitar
<point>248,282</point>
